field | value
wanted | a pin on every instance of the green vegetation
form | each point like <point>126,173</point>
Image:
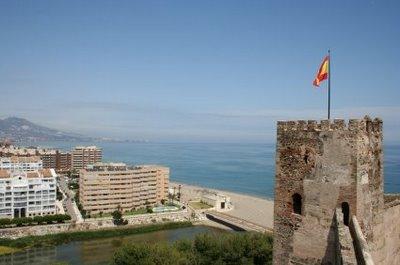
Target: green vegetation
<point>37,220</point>
<point>79,205</point>
<point>137,211</point>
<point>199,205</point>
<point>231,248</point>
<point>56,239</point>
<point>132,212</point>
<point>73,186</point>
<point>7,250</point>
<point>59,195</point>
<point>117,217</point>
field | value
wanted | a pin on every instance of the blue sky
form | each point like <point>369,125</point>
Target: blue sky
<point>196,70</point>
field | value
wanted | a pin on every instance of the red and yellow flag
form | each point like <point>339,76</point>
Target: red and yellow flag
<point>323,72</point>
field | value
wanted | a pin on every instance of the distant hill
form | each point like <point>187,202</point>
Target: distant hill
<point>22,130</point>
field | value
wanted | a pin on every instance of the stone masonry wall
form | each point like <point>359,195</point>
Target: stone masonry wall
<point>345,249</point>
<point>327,164</point>
<point>93,224</point>
<point>390,254</point>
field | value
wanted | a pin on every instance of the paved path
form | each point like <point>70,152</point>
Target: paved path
<point>70,204</point>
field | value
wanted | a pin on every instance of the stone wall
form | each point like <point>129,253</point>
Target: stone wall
<point>93,224</point>
<point>327,164</point>
<point>362,248</point>
<point>345,253</point>
<point>390,254</point>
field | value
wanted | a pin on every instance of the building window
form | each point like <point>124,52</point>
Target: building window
<point>297,203</point>
<point>346,213</point>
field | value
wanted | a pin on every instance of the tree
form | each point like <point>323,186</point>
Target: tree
<point>117,217</point>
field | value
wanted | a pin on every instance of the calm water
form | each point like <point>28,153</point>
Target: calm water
<point>245,168</point>
<point>97,251</point>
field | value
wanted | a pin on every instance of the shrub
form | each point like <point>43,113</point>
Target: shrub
<point>5,222</point>
<point>243,248</point>
<point>117,218</point>
<point>38,219</point>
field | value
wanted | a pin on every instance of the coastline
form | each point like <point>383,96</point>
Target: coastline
<point>247,207</point>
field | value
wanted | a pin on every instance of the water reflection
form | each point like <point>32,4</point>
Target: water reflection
<point>96,251</point>
<point>39,255</point>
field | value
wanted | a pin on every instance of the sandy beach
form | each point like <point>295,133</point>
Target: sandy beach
<point>250,208</point>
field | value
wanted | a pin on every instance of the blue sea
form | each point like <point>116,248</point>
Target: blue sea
<point>244,168</point>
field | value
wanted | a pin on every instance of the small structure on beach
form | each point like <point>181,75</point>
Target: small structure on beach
<point>218,201</point>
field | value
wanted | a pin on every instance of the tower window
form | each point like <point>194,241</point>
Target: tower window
<point>297,203</point>
<point>346,213</point>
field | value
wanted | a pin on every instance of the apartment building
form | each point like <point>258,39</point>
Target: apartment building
<point>104,187</point>
<point>21,163</point>
<point>83,156</point>
<point>24,194</point>
<point>51,158</point>
<point>64,161</point>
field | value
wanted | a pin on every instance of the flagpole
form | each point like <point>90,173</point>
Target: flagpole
<point>329,84</point>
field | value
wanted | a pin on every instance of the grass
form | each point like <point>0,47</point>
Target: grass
<point>127,213</point>
<point>7,250</point>
<point>199,205</point>
<point>138,211</point>
<point>56,239</point>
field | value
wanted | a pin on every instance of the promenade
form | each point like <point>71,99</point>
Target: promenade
<point>253,209</point>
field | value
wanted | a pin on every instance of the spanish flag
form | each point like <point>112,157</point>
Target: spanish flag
<point>323,72</point>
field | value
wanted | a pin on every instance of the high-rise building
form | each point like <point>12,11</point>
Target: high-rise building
<point>105,187</point>
<point>49,158</point>
<point>83,156</point>
<point>24,194</point>
<point>21,163</point>
<point>63,161</point>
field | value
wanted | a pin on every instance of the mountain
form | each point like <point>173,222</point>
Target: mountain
<point>22,130</point>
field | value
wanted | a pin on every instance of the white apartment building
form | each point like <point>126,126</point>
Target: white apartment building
<point>21,163</point>
<point>27,194</point>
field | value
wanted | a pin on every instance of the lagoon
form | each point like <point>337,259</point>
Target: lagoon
<point>97,251</point>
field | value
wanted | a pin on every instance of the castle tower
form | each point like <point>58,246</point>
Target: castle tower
<point>321,167</point>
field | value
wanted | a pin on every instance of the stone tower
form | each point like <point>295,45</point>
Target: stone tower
<point>321,167</point>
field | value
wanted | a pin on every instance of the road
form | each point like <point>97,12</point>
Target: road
<point>69,202</point>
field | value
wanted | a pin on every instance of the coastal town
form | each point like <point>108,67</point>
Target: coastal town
<point>89,194</point>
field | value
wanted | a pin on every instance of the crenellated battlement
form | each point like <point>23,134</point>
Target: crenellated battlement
<point>365,124</point>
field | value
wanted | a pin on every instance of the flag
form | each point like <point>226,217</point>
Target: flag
<point>323,72</point>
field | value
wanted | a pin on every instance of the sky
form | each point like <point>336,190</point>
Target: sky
<point>201,71</point>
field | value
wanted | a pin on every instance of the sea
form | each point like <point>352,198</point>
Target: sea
<point>247,168</point>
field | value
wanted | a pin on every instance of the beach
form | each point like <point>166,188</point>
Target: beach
<point>253,209</point>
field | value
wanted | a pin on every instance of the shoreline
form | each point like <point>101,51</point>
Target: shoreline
<point>27,242</point>
<point>246,207</point>
<point>222,190</point>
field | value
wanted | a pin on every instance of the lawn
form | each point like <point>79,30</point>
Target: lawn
<point>138,211</point>
<point>199,205</point>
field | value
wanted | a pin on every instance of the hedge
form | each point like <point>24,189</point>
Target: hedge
<point>37,220</point>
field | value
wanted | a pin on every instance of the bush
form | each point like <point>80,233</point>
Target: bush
<point>243,248</point>
<point>38,219</point>
<point>117,218</point>
<point>49,219</point>
<point>5,222</point>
